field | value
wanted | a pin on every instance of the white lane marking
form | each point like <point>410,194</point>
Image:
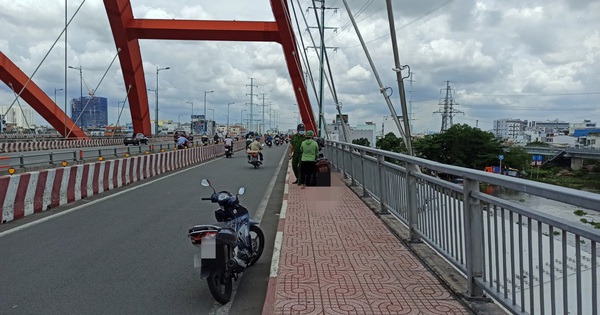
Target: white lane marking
<point>276,252</point>
<point>59,214</point>
<point>217,308</point>
<point>283,209</point>
<point>260,211</point>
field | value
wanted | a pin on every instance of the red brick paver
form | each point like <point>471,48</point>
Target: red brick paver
<point>337,257</point>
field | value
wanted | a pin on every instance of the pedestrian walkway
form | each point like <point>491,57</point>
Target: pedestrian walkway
<point>337,257</point>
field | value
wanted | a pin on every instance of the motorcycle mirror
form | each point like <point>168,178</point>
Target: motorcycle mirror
<point>241,191</point>
<point>205,182</point>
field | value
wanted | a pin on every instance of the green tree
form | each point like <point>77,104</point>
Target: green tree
<point>461,145</point>
<point>517,157</point>
<point>362,141</point>
<point>391,143</point>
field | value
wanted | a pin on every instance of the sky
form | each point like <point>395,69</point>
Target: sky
<point>532,60</point>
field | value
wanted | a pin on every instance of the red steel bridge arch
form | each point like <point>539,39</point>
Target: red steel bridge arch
<point>127,31</point>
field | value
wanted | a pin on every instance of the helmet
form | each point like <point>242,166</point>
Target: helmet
<point>257,137</point>
<point>300,127</point>
<point>309,134</point>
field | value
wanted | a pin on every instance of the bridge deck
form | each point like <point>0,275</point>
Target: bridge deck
<point>338,257</point>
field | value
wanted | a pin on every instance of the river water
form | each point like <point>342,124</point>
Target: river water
<point>547,206</point>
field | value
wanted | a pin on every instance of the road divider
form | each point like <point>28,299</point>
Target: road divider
<point>28,193</point>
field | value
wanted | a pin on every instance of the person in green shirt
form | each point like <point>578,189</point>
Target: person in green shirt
<point>295,153</point>
<point>310,153</point>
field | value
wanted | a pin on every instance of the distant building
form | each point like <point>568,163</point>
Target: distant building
<point>90,111</point>
<point>509,129</point>
<point>18,119</point>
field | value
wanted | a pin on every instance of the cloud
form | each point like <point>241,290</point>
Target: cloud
<point>510,59</point>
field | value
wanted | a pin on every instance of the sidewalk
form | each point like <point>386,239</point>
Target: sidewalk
<point>337,257</point>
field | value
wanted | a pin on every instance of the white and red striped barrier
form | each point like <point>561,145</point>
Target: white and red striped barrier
<point>55,144</point>
<point>28,193</point>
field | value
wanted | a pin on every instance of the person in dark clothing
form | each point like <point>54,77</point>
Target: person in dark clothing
<point>310,153</point>
<point>295,153</point>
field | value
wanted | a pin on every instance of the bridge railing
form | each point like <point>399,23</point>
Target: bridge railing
<point>530,260</point>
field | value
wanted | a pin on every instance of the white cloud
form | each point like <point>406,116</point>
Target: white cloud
<point>492,52</point>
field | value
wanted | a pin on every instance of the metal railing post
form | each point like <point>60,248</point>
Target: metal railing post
<point>380,192</point>
<point>411,195</point>
<point>51,158</point>
<point>22,161</point>
<point>337,157</point>
<point>362,167</point>
<point>74,156</point>
<point>473,222</point>
<point>344,170</point>
<point>352,175</point>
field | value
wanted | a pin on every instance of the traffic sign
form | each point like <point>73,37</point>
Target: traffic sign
<point>500,157</point>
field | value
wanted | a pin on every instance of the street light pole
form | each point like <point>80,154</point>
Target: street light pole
<point>205,119</point>
<point>192,119</point>
<point>80,86</point>
<point>242,117</point>
<point>156,94</point>
<point>227,128</point>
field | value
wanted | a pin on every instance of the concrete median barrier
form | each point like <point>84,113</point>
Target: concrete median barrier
<point>28,193</point>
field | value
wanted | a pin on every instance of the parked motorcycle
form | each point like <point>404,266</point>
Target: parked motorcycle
<point>253,158</point>
<point>228,151</point>
<point>228,247</point>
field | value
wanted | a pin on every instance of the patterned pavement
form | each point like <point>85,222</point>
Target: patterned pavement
<point>337,257</point>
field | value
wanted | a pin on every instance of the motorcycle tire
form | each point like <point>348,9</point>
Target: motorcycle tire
<point>255,165</point>
<point>220,286</point>
<point>257,237</point>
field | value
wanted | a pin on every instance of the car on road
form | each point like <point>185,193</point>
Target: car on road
<point>136,139</point>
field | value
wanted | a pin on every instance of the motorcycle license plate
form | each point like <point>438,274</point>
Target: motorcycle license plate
<point>208,249</point>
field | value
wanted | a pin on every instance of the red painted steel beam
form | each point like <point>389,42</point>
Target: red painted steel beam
<point>240,31</point>
<point>10,74</point>
<point>292,59</point>
<point>127,31</point>
<point>120,15</point>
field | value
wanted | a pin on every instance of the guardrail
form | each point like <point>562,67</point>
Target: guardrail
<point>529,261</point>
<point>23,162</point>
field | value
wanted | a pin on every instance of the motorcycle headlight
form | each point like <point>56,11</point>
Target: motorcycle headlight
<point>222,196</point>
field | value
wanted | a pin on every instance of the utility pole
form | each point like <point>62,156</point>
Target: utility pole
<point>262,129</point>
<point>448,110</point>
<point>251,85</point>
<point>270,116</point>
<point>410,115</point>
<point>321,27</point>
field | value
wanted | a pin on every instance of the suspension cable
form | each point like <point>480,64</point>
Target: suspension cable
<point>121,111</point>
<point>20,107</point>
<point>94,93</point>
<point>43,59</point>
<point>382,89</point>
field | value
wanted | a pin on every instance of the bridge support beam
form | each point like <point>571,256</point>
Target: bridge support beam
<point>127,31</point>
<point>576,163</point>
<point>12,76</point>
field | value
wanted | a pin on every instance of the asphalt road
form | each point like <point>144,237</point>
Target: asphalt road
<point>127,252</point>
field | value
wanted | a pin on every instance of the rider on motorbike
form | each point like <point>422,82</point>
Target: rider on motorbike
<point>255,146</point>
<point>182,142</point>
<point>229,144</point>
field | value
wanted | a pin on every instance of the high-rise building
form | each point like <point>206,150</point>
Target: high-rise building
<point>18,117</point>
<point>90,111</point>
